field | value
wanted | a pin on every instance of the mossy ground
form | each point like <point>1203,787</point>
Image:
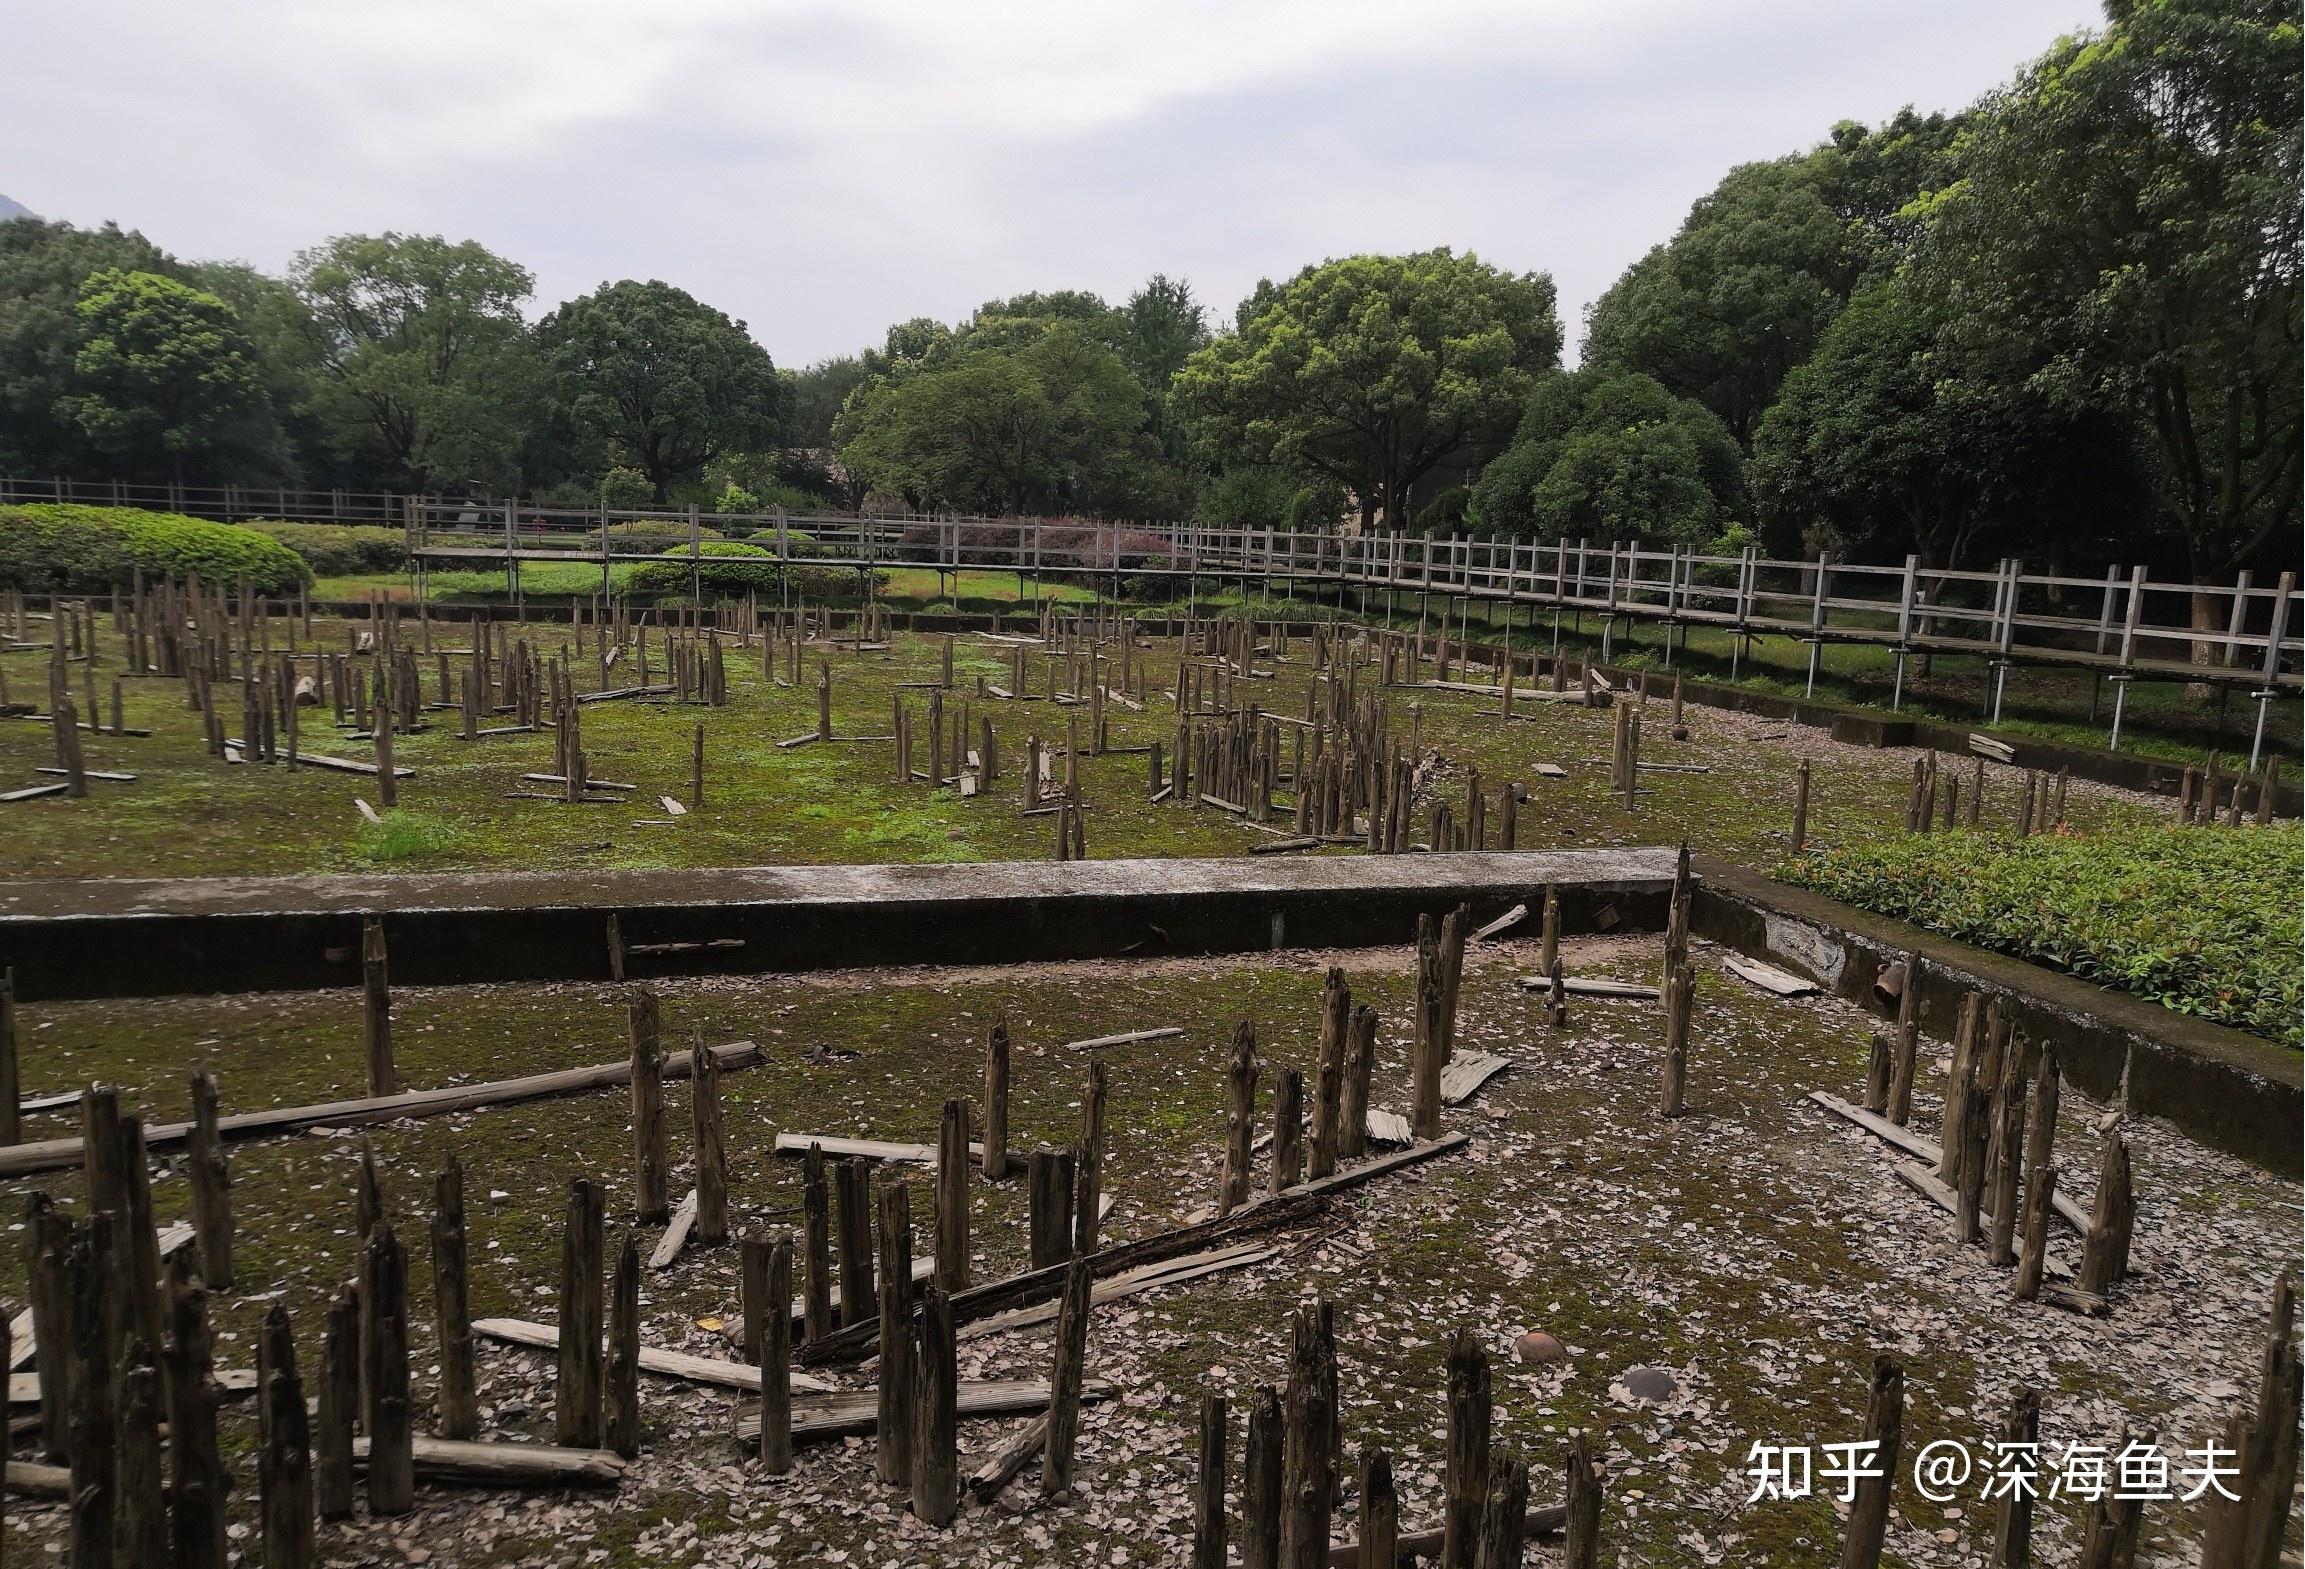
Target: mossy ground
<point>1757,1249</point>
<point>187,814</point>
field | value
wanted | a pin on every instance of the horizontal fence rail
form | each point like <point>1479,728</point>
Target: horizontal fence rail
<point>2123,626</point>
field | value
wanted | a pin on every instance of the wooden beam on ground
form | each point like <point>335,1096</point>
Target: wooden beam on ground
<point>1926,1150</point>
<point>876,1149</point>
<point>1040,1285</point>
<point>1126,1038</point>
<point>1421,1546</point>
<point>817,1418</point>
<point>58,1154</point>
<point>666,1364</point>
<point>1504,922</point>
<point>1767,976</point>
<point>1148,1277</point>
<point>1591,986</point>
<point>496,1464</point>
<point>1388,1127</point>
<point>676,1232</point>
<point>343,765</point>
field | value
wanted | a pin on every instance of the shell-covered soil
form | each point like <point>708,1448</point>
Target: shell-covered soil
<point>1757,1252</point>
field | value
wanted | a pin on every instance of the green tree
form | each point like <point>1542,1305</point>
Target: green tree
<point>1161,327</point>
<point>1053,424</point>
<point>668,382</point>
<point>423,353</point>
<point>164,379</point>
<point>1611,455</point>
<point>2128,208</point>
<point>1737,298</point>
<point>42,266</point>
<point>812,397</point>
<point>1900,436</point>
<point>1372,370</point>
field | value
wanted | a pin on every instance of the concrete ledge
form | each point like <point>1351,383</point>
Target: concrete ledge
<point>2222,1087</point>
<point>128,938</point>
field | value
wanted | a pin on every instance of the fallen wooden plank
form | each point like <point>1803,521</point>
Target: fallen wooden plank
<point>55,1102</point>
<point>1550,771</point>
<point>39,1481</point>
<point>1388,1127</point>
<point>798,740</point>
<point>492,1464</point>
<point>876,1149</point>
<point>1767,976</point>
<point>57,1154</point>
<point>589,784</point>
<point>1039,1285</point>
<point>20,1344</point>
<point>34,792</point>
<point>1466,1071</point>
<point>89,773</point>
<point>676,1232</point>
<point>1591,986</point>
<point>816,1418</point>
<point>1927,1150</point>
<point>667,1364</point>
<point>1148,1277</point>
<point>1160,1032</point>
<point>1986,746</point>
<point>1504,922</point>
<point>343,765</point>
<point>1284,846</point>
<point>1923,1180</point>
<point>1004,1464</point>
<point>24,1388</point>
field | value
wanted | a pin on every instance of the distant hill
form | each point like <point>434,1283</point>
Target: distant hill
<point>10,208</point>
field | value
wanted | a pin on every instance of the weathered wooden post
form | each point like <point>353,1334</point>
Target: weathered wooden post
<point>854,1193</point>
<point>936,1456</point>
<point>49,1284</point>
<point>1288,1157</point>
<point>2105,1247</point>
<point>338,1408</point>
<point>1466,1472</point>
<point>576,1395</point>
<point>197,1478</point>
<point>1065,1380</point>
<point>1353,1100</point>
<point>2032,1259</point>
<point>1329,1074</point>
<point>1049,1203</point>
<point>1581,1529</point>
<point>952,1198</point>
<point>816,1243</point>
<point>1801,808</point>
<point>1504,1517</point>
<point>623,1391</point>
<point>2009,1140</point>
<point>1240,1114</point>
<point>391,1422</point>
<point>2013,1522</point>
<point>1884,1431</point>
<point>776,1363</point>
<point>1380,1511</point>
<point>1209,1487</point>
<point>1680,995</point>
<point>1088,1178</point>
<point>141,1523</point>
<point>452,1306</point>
<point>211,1181</point>
<point>711,1150</point>
<point>652,1201</point>
<point>284,1465</point>
<point>1549,944</point>
<point>1261,1482</point>
<point>1309,1443</point>
<point>376,1009</point>
<point>893,1419</point>
<point>996,1104</point>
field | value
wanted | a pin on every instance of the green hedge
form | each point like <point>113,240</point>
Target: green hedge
<point>732,569</point>
<point>339,549</point>
<point>2202,920</point>
<point>57,548</point>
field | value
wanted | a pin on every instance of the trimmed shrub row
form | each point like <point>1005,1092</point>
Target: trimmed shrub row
<point>2202,920</point>
<point>51,548</point>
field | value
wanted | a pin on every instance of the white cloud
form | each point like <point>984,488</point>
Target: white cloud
<point>823,169</point>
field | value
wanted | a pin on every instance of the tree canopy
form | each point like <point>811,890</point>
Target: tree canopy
<point>1372,370</point>
<point>164,378</point>
<point>1611,455</point>
<point>666,381</point>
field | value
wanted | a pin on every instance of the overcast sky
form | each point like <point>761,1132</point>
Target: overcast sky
<point>821,170</point>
